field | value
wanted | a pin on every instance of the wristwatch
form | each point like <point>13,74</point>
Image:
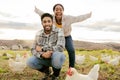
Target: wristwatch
<point>42,49</point>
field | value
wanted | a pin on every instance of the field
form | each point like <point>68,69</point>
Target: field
<point>106,72</point>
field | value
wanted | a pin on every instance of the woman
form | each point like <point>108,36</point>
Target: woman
<point>65,21</point>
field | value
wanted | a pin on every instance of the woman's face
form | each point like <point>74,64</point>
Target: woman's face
<point>58,12</point>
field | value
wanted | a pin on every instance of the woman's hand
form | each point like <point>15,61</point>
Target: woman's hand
<point>36,10</point>
<point>90,14</point>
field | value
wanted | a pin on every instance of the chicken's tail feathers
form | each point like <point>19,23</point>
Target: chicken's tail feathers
<point>94,72</point>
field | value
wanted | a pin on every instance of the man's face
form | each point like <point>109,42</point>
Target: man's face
<point>47,24</point>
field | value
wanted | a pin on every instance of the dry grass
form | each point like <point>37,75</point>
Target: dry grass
<point>107,72</point>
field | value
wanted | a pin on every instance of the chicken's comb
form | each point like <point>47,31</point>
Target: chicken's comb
<point>69,72</point>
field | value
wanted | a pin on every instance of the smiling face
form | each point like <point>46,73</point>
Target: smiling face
<point>47,24</point>
<point>58,11</point>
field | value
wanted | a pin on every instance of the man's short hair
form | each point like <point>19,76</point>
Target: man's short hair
<point>46,15</point>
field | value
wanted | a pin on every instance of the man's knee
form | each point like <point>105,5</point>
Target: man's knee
<point>33,63</point>
<point>58,59</point>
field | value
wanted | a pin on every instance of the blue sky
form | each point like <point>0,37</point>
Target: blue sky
<point>19,21</point>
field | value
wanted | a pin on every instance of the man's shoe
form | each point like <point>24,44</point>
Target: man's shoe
<point>47,75</point>
<point>54,78</point>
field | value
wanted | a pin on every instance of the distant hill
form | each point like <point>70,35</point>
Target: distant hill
<point>96,46</point>
<point>77,44</point>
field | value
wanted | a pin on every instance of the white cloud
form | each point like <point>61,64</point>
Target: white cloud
<point>11,34</point>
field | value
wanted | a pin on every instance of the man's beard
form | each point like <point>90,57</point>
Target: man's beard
<point>47,31</point>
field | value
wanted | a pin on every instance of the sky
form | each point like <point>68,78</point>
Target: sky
<point>19,21</point>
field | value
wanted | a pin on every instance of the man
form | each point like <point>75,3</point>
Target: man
<point>48,49</point>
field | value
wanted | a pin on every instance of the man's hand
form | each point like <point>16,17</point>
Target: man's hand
<point>47,54</point>
<point>38,48</point>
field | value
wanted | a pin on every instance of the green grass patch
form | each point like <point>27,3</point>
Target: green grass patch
<point>107,71</point>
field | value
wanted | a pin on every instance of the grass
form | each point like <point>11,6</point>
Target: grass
<point>107,71</point>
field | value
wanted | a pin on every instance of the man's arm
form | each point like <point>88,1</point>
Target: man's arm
<point>36,49</point>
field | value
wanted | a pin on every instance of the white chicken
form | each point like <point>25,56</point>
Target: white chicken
<point>111,60</point>
<point>92,75</point>
<point>92,58</point>
<point>16,66</point>
<point>19,64</point>
<point>106,58</point>
<point>80,59</point>
<point>114,61</point>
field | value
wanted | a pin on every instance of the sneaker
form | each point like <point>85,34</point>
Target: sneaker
<point>54,78</point>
